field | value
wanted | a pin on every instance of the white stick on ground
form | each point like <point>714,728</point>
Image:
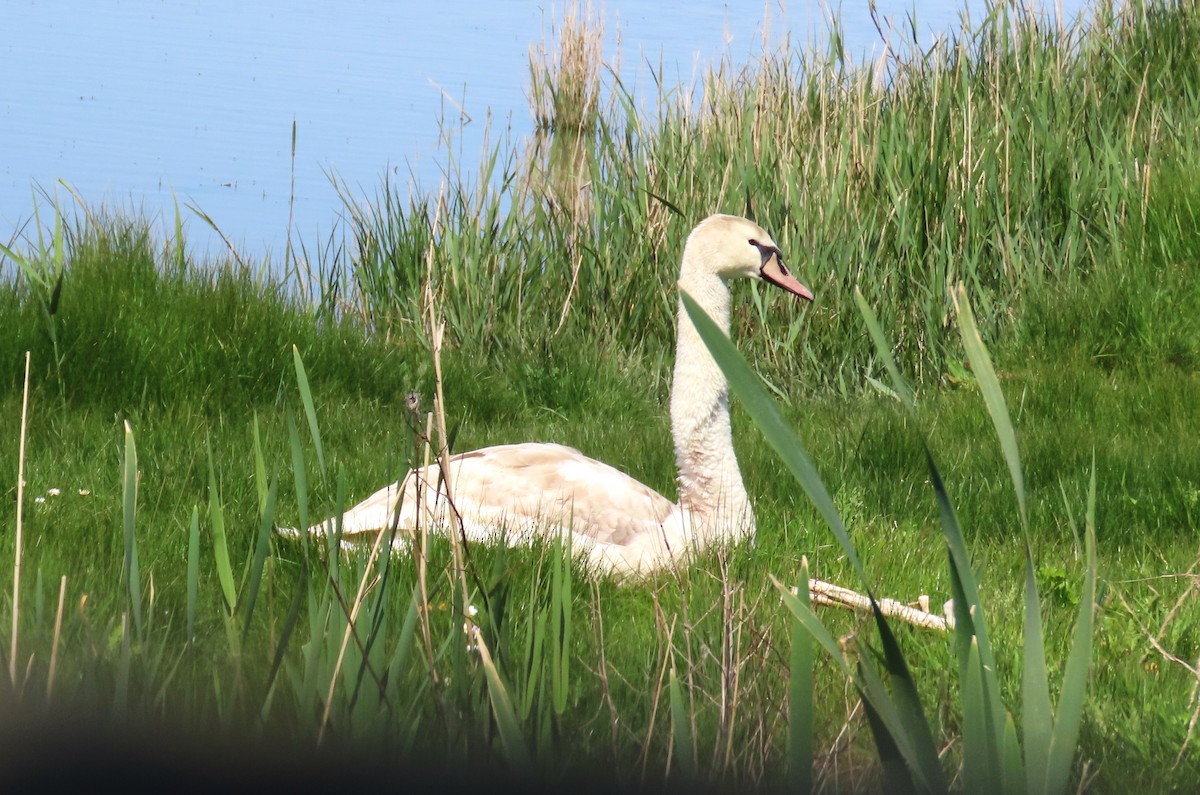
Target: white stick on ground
<point>826,593</point>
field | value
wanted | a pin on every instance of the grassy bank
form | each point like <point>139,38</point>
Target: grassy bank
<point>1054,173</point>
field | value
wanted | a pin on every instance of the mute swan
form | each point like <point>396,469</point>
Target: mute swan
<point>621,527</point>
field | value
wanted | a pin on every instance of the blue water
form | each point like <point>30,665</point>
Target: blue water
<point>144,105</point>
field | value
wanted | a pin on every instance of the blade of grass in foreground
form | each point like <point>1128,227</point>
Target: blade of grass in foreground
<point>300,478</point>
<point>129,484</point>
<point>258,563</point>
<point>216,515</point>
<point>989,385</point>
<point>560,618</point>
<point>289,623</point>
<point>776,431</point>
<point>901,718</point>
<point>1038,717</point>
<point>970,627</point>
<point>310,411</point>
<point>922,754</point>
<point>899,385</point>
<point>193,571</point>
<point>1075,679</point>
<point>981,700</point>
<point>506,719</point>
<point>260,467</point>
<point>800,698</point>
<point>681,729</point>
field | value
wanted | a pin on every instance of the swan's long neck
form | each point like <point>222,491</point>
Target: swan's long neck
<point>710,483</point>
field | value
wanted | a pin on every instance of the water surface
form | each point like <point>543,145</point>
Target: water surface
<point>141,105</point>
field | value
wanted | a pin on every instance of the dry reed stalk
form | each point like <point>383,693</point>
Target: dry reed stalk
<point>732,620</point>
<point>826,593</point>
<point>17,543</point>
<point>62,594</point>
<point>564,87</point>
<point>363,589</point>
<point>422,534</point>
<point>659,687</point>
<point>602,667</point>
<point>437,331</point>
<point>1156,642</point>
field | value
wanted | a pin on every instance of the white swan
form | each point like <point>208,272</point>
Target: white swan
<point>620,526</point>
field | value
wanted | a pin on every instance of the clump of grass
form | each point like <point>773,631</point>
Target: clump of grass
<point>564,86</point>
<point>116,297</point>
<point>963,163</point>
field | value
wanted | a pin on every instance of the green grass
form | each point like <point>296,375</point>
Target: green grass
<point>1074,228</point>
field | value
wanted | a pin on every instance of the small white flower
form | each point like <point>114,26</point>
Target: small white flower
<point>54,492</point>
<point>472,610</point>
<point>39,500</point>
<point>85,492</point>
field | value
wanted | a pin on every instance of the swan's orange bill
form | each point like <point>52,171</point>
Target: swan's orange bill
<point>774,271</point>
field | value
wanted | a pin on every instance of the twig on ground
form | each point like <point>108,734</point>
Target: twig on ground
<point>826,593</point>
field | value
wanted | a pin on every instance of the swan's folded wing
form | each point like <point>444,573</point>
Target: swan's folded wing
<point>556,486</point>
<point>517,490</point>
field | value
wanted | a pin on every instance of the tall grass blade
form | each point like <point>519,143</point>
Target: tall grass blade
<point>535,635</point>
<point>896,771</point>
<point>19,536</point>
<point>289,623</point>
<point>129,488</point>
<point>124,665</point>
<point>777,432</point>
<point>1014,766</point>
<point>989,385</point>
<point>905,748</point>
<point>970,627</point>
<point>1075,677</point>
<point>258,564</point>
<point>979,743</point>
<point>560,618</point>
<point>681,729</point>
<point>1038,715</point>
<point>207,219</point>
<point>299,477</point>
<point>260,467</point>
<point>404,643</point>
<point>803,612</point>
<point>216,515</point>
<point>905,719</point>
<point>310,411</point>
<point>178,248</point>
<point>913,724</point>
<point>506,719</point>
<point>901,388</point>
<point>58,615</point>
<point>800,697</point>
<point>193,571</point>
<point>59,255</point>
<point>891,729</point>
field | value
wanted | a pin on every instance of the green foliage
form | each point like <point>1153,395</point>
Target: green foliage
<point>1008,156</point>
<point>992,761</point>
<point>133,330</point>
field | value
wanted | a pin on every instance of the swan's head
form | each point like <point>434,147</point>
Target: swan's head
<point>737,248</point>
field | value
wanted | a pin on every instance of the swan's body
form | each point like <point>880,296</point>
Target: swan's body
<point>521,491</point>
